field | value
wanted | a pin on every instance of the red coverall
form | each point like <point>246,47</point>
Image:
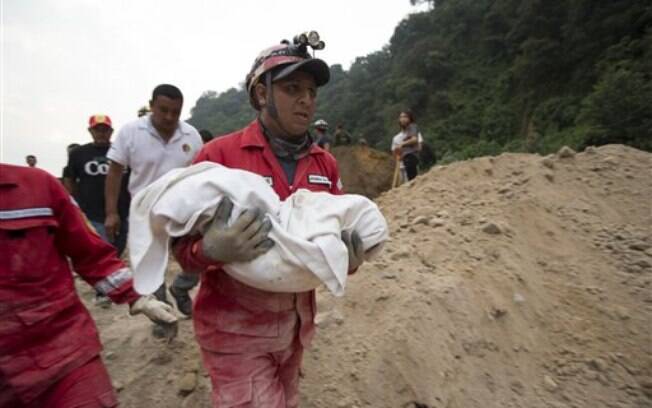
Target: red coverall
<point>252,341</point>
<point>49,347</point>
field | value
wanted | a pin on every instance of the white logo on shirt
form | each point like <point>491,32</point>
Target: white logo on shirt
<point>95,168</point>
<point>318,179</point>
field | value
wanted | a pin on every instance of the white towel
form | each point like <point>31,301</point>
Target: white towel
<point>306,228</point>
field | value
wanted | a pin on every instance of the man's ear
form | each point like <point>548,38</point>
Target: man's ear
<point>260,93</point>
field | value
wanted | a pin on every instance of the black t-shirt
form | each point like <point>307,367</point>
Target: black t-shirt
<point>88,167</point>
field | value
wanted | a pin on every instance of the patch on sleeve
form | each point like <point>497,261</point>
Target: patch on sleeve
<point>319,179</point>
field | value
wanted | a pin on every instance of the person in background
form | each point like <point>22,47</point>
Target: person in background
<point>69,149</point>
<point>30,159</point>
<point>84,178</point>
<point>322,138</point>
<point>406,144</point>
<point>342,137</point>
<point>151,146</point>
<point>206,135</point>
<point>49,346</point>
<point>252,341</point>
<point>144,110</point>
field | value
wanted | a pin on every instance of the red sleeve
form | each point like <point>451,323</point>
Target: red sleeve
<point>188,252</point>
<point>93,259</point>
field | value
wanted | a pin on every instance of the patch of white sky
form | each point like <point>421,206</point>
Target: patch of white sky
<point>64,60</point>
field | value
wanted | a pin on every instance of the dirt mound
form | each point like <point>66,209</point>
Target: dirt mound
<point>514,281</point>
<point>364,170</point>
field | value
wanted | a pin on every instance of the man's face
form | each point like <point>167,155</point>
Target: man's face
<point>31,161</point>
<point>295,99</point>
<point>165,114</point>
<point>101,134</point>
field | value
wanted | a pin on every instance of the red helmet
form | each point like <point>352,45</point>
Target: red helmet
<point>293,57</point>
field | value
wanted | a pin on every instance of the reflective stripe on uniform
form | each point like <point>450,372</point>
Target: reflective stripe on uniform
<point>113,281</point>
<point>26,213</point>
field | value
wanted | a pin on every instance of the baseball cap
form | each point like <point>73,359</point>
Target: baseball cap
<point>99,120</point>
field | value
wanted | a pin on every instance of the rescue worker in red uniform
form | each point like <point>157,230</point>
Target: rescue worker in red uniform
<point>49,346</point>
<point>252,341</point>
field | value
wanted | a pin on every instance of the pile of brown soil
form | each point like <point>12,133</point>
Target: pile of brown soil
<point>364,170</point>
<point>514,281</point>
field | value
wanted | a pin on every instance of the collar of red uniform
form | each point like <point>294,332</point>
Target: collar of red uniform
<point>8,176</point>
<point>253,137</point>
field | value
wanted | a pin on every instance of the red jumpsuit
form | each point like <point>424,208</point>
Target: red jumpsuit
<point>49,346</point>
<point>252,341</point>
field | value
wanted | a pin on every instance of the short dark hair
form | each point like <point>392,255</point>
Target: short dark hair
<point>30,156</point>
<point>168,90</point>
<point>409,114</point>
<point>206,135</point>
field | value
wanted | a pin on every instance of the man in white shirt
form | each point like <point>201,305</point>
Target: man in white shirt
<point>151,146</point>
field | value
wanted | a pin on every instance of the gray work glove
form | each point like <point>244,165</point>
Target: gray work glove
<point>353,243</point>
<point>243,241</point>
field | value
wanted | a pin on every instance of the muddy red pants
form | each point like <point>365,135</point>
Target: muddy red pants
<point>255,380</point>
<point>88,386</point>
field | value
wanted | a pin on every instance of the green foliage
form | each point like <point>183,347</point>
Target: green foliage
<point>487,76</point>
<point>619,110</point>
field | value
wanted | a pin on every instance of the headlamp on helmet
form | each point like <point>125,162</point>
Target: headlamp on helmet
<point>309,38</point>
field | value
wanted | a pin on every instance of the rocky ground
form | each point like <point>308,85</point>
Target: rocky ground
<point>513,281</point>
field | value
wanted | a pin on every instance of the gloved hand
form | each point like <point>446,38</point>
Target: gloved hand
<point>243,241</point>
<point>159,312</point>
<point>155,310</point>
<point>353,243</point>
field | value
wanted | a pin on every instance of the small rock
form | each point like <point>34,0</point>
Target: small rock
<point>566,153</point>
<point>491,228</point>
<point>590,150</point>
<point>422,219</point>
<point>399,255</point>
<point>442,214</point>
<point>549,176</point>
<point>549,384</point>
<point>518,298</point>
<point>548,162</point>
<point>639,246</point>
<point>437,222</point>
<point>187,384</point>
<point>504,190</point>
<point>118,385</point>
<point>598,364</point>
<point>643,263</point>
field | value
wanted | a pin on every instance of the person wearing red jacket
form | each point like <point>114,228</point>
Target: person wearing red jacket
<point>252,341</point>
<point>49,346</point>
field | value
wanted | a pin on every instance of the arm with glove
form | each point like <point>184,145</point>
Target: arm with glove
<point>97,262</point>
<point>243,241</point>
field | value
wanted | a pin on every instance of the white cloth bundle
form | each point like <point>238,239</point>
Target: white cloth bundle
<point>306,228</point>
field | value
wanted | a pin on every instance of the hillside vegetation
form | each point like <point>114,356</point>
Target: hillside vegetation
<point>488,76</point>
